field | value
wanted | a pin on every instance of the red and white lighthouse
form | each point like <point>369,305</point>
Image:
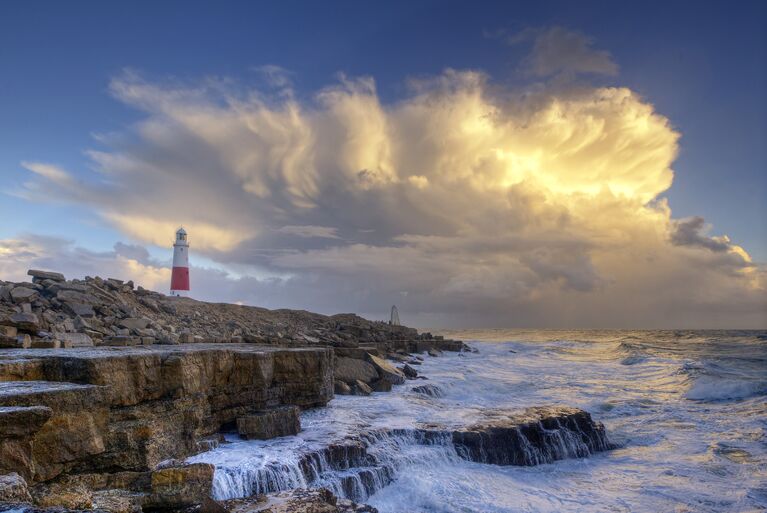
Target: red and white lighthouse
<point>179,280</point>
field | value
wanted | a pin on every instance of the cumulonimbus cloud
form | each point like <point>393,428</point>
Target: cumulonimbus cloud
<point>483,205</point>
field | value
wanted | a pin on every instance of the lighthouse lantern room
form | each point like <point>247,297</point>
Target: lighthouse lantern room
<point>179,281</point>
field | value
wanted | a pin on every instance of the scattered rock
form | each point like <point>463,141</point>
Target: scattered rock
<point>387,371</point>
<point>435,352</point>
<point>133,323</point>
<point>362,388</point>
<point>409,372</point>
<point>341,388</point>
<point>80,309</point>
<point>429,390</point>
<point>350,370</point>
<point>45,275</point>
<point>26,321</point>
<point>263,425</point>
<point>22,294</point>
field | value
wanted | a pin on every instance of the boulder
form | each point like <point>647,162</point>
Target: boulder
<point>22,294</point>
<point>13,488</point>
<point>435,352</point>
<point>350,370</point>
<point>133,323</point>
<point>409,372</point>
<point>341,388</point>
<point>263,425</point>
<point>179,487</point>
<point>45,275</point>
<point>79,309</point>
<point>8,331</point>
<point>362,388</point>
<point>387,371</point>
<point>73,296</point>
<point>429,390</point>
<point>46,343</point>
<point>23,341</point>
<point>26,321</point>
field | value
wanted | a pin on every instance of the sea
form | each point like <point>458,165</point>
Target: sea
<point>686,411</point>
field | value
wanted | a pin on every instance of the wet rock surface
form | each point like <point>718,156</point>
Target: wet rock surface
<point>360,465</point>
<point>531,437</point>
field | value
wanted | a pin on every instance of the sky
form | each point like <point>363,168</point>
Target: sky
<point>563,164</point>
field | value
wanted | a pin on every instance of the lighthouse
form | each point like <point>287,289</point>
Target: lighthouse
<point>179,280</point>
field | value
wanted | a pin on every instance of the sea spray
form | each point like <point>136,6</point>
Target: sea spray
<point>681,447</point>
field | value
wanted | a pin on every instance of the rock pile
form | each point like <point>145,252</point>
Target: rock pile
<point>52,312</point>
<point>363,372</point>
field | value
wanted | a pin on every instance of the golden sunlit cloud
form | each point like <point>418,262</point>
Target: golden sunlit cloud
<point>540,204</point>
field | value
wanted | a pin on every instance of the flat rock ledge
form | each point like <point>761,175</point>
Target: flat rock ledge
<point>128,409</point>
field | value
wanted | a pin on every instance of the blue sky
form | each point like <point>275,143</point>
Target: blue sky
<point>700,64</point>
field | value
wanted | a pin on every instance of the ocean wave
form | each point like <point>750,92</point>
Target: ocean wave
<point>723,389</point>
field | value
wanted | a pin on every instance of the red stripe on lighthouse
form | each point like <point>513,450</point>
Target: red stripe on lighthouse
<point>179,280</point>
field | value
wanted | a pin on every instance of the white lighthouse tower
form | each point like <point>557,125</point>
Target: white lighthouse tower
<point>179,280</point>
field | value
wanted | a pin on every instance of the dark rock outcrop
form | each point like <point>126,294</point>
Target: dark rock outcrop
<point>409,372</point>
<point>531,437</point>
<point>357,467</point>
<point>429,390</point>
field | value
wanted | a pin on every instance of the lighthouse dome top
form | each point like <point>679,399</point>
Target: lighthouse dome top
<point>181,231</point>
<point>181,234</point>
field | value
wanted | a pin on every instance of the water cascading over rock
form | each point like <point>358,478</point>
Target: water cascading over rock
<point>358,467</point>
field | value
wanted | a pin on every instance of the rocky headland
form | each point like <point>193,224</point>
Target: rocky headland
<point>106,389</point>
